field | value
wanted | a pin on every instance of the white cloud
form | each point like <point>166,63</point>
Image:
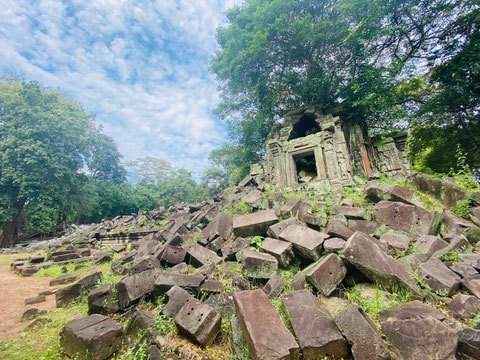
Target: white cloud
<point>142,67</point>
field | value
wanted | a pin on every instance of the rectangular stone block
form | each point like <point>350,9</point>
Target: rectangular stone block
<point>275,230</point>
<point>314,327</point>
<point>306,242</point>
<point>263,328</point>
<point>326,274</point>
<point>200,255</point>
<point>254,224</point>
<point>131,288</point>
<point>258,265</point>
<point>281,250</point>
<point>165,281</point>
<point>199,321</point>
<point>173,255</point>
<point>95,337</point>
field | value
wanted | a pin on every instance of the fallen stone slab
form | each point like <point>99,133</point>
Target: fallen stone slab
<point>463,269</point>
<point>418,338</point>
<point>140,321</point>
<point>464,306</point>
<point>408,218</point>
<point>299,282</point>
<point>143,263</point>
<point>28,270</point>
<point>254,224</point>
<point>360,332</point>
<point>411,310</point>
<point>36,259</point>
<point>336,228</point>
<point>334,245</point>
<point>165,281</point>
<point>30,314</point>
<point>221,226</point>
<point>95,337</point>
<point>306,242</point>
<point>458,242</point>
<point>275,230</point>
<point>131,288</point>
<point>430,244</point>
<point>263,328</point>
<point>68,294</point>
<point>290,208</point>
<point>103,301</point>
<point>274,287</point>
<point>349,212</point>
<point>200,255</point>
<point>199,321</point>
<point>281,250</point>
<point>258,265</point>
<point>439,277</point>
<point>364,226</point>
<point>326,274</point>
<point>63,279</point>
<point>64,257</point>
<point>222,303</point>
<point>317,334</point>
<point>230,248</point>
<point>445,190</point>
<point>211,286</point>
<point>90,280</point>
<point>173,255</point>
<point>35,300</point>
<point>175,299</point>
<point>469,343</point>
<point>395,241</point>
<point>363,253</point>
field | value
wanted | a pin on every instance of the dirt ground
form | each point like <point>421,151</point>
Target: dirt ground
<point>14,289</point>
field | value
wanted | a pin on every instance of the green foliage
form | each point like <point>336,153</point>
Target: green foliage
<point>255,243</point>
<point>239,209</point>
<point>46,143</point>
<point>462,208</point>
<point>452,256</point>
<point>276,55</point>
<point>277,304</point>
<point>373,305</point>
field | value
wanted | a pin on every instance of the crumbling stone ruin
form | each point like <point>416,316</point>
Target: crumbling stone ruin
<point>293,276</point>
<point>310,146</point>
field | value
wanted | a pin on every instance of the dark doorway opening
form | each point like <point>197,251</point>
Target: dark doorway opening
<point>306,167</point>
<point>305,126</point>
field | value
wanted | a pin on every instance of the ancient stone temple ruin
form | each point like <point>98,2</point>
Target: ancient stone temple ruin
<point>313,147</point>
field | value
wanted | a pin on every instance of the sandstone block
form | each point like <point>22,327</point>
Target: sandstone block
<point>254,224</point>
<point>258,265</point>
<point>95,337</point>
<point>317,334</point>
<point>199,321</point>
<point>326,273</point>
<point>263,328</point>
<point>306,242</point>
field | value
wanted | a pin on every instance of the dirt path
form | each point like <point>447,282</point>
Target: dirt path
<point>14,289</point>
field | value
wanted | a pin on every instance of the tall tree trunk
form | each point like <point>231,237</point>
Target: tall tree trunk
<point>10,228</point>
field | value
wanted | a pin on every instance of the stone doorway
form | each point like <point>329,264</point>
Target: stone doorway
<point>305,167</point>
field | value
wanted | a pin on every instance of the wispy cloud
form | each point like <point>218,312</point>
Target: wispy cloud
<point>141,66</point>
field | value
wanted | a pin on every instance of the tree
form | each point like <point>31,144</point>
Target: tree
<point>45,146</point>
<point>361,57</point>
<point>148,170</point>
<point>450,115</point>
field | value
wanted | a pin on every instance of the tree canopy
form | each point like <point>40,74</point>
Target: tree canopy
<point>378,61</point>
<point>48,146</point>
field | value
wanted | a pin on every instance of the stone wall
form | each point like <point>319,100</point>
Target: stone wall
<point>313,147</point>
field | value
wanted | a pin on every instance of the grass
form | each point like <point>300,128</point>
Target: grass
<point>42,342</point>
<point>374,305</point>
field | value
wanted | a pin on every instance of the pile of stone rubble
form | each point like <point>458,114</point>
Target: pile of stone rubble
<point>209,267</point>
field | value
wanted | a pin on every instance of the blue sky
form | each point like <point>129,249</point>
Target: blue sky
<point>140,65</point>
